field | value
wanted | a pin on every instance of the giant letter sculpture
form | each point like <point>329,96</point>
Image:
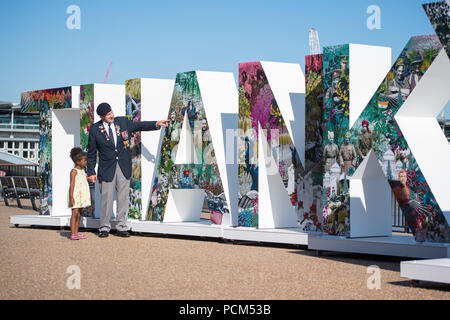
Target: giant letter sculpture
<point>275,190</point>
<point>192,158</point>
<point>53,146</point>
<point>380,133</point>
<point>351,74</point>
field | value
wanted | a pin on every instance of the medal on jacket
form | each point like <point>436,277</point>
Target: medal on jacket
<point>102,130</point>
<point>126,142</point>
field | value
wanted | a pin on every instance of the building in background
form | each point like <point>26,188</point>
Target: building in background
<point>445,125</point>
<point>19,135</point>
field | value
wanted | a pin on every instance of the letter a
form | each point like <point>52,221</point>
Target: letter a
<point>74,20</point>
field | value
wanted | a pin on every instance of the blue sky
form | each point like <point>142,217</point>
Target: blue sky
<point>146,38</point>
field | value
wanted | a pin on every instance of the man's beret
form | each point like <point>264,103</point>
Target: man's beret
<point>103,109</point>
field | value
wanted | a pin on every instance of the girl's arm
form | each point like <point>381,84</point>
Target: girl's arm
<point>73,174</point>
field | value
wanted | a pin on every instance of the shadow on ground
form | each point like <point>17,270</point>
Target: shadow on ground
<point>422,285</point>
<point>383,262</point>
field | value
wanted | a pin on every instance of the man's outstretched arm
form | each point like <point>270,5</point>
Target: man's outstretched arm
<point>147,125</point>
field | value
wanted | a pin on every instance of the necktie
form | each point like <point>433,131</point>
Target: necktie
<point>111,137</point>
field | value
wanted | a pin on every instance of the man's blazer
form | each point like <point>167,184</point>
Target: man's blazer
<point>109,154</point>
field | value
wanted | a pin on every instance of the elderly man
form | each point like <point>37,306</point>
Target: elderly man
<point>110,138</point>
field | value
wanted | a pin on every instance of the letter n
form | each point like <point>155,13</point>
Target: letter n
<point>273,183</point>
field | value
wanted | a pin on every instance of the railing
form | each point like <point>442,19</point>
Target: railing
<point>19,170</point>
<point>398,219</point>
<point>18,126</point>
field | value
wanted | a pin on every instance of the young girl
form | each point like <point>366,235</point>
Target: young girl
<point>79,194</point>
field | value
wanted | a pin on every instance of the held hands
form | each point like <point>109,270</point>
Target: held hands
<point>92,178</point>
<point>71,201</point>
<point>163,123</point>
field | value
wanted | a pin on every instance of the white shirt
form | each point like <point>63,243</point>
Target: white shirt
<point>106,126</point>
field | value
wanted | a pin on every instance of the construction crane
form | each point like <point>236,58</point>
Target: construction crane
<point>107,72</point>
<point>314,44</point>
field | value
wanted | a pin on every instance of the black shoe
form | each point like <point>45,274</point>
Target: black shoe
<point>103,234</point>
<point>123,234</point>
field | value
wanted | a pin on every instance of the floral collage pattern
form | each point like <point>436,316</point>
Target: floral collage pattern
<point>409,186</point>
<point>376,129</point>
<point>44,101</point>
<point>312,220</point>
<point>86,120</point>
<point>204,172</point>
<point>86,113</point>
<point>339,156</point>
<point>133,112</point>
<point>258,106</point>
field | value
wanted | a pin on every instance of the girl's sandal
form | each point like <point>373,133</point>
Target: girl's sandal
<point>74,237</point>
<point>81,237</point>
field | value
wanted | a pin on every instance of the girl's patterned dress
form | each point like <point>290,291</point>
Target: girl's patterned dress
<point>81,192</point>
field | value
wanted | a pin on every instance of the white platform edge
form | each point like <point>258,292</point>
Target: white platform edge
<point>40,220</point>
<point>396,245</point>
<point>436,270</point>
<point>198,229</point>
<point>201,229</point>
<point>61,221</point>
<point>282,235</point>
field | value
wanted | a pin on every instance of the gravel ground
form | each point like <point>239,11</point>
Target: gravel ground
<point>34,262</point>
